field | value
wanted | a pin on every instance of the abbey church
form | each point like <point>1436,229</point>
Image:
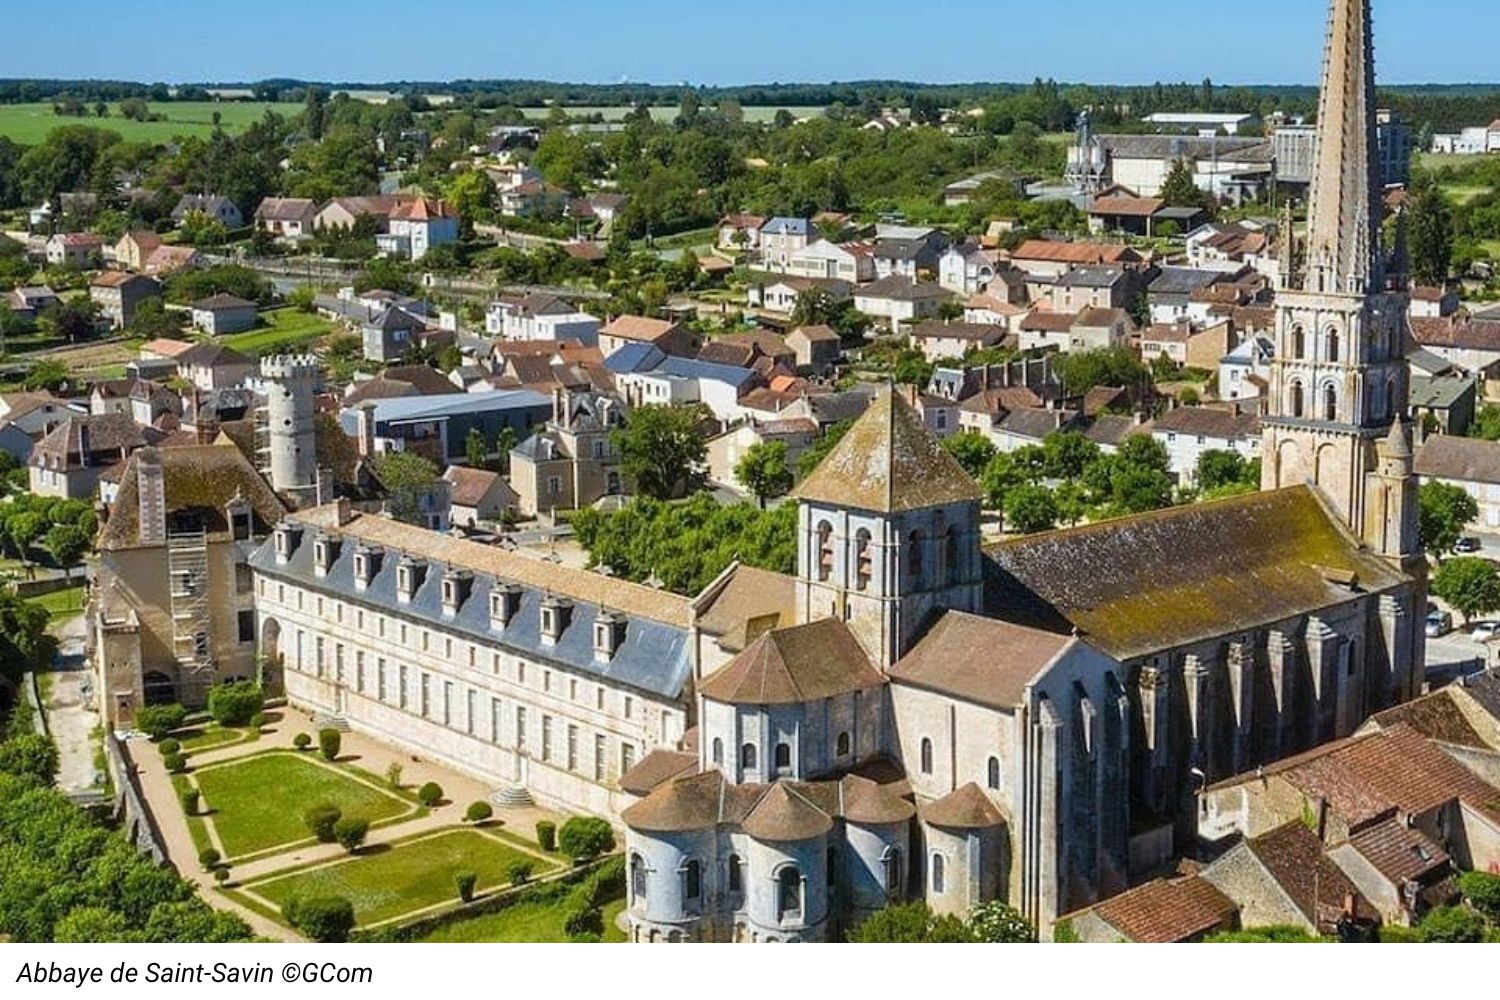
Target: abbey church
<point>914,715</point>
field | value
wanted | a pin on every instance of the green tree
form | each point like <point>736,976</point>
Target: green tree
<point>323,918</point>
<point>1471,586</point>
<point>407,478</point>
<point>1179,188</point>
<point>1030,509</point>
<point>973,451</point>
<point>235,703</point>
<point>350,832</point>
<point>1112,367</point>
<point>67,543</point>
<point>1430,235</point>
<point>1445,512</point>
<point>661,450</point>
<point>505,443</point>
<point>1482,891</point>
<point>585,837</point>
<point>475,449</point>
<point>911,923</point>
<point>30,755</point>
<point>1452,925</point>
<point>763,470</point>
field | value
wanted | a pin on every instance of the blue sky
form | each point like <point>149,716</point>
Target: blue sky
<point>707,42</point>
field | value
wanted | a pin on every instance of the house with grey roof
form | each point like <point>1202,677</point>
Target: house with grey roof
<point>438,426</point>
<point>214,206</point>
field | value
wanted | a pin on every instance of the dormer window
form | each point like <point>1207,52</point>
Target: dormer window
<point>609,633</point>
<point>366,566</point>
<point>241,521</point>
<point>456,586</point>
<point>325,553</point>
<point>505,601</point>
<point>408,578</point>
<point>555,614</point>
<point>287,535</point>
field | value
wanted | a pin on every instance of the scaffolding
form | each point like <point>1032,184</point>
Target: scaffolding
<point>187,574</point>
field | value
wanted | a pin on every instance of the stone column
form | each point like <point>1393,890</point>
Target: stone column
<point>1240,666</point>
<point>1280,658</point>
<point>1323,666</point>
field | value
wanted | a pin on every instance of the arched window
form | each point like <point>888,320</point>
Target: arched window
<point>825,550</point>
<point>718,751</point>
<point>736,875</point>
<point>1332,348</point>
<point>1297,406</point>
<point>692,880</point>
<point>892,861</point>
<point>951,555</point>
<point>993,776</point>
<point>939,876</point>
<point>841,745</point>
<point>1391,397</point>
<point>862,564</point>
<point>1330,403</point>
<point>926,755</point>
<point>783,756</point>
<point>788,893</point>
<point>914,556</point>
<point>1299,343</point>
<point>747,756</point>
<point>637,879</point>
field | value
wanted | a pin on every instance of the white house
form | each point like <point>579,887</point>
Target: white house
<point>1245,371</point>
<point>541,317</point>
<point>898,300</point>
<point>850,262</point>
<point>1189,431</point>
<point>417,226</point>
<point>965,268</point>
<point>780,238</point>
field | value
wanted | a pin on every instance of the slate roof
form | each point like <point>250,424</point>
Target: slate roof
<point>1168,911</point>
<point>976,332</point>
<point>634,357</point>
<point>221,301</point>
<point>211,355</point>
<point>1183,281</point>
<point>960,656</point>
<point>1472,460</point>
<point>1209,421</point>
<point>793,666</point>
<point>107,432</point>
<point>901,289</point>
<point>1173,147</point>
<point>1142,584</point>
<point>653,657</point>
<point>435,407</point>
<point>889,462</point>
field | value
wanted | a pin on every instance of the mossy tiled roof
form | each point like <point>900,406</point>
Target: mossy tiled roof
<point>888,462</point>
<point>1158,581</point>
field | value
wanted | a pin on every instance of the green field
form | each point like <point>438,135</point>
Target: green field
<point>257,802</point>
<point>288,328</point>
<point>388,881</point>
<point>30,123</point>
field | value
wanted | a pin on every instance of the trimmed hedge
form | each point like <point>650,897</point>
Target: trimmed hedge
<point>321,820</point>
<point>322,918</point>
<point>546,834</point>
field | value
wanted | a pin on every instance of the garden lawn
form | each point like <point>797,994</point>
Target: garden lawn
<point>288,328</point>
<point>533,921</point>
<point>258,802</point>
<point>391,881</point>
<point>206,736</point>
<point>61,603</point>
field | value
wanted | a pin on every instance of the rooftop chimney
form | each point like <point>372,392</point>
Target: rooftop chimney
<point>151,495</point>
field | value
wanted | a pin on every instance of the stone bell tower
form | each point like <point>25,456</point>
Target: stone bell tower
<point>1339,381</point>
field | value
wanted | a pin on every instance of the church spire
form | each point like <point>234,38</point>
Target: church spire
<point>1343,240</point>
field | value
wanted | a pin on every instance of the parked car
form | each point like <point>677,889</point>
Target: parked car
<point>1484,631</point>
<point>1439,623</point>
<point>1468,545</point>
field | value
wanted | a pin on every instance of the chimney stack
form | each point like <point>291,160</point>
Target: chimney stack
<point>151,497</point>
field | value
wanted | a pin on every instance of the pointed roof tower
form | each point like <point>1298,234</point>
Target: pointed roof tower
<point>1343,238</point>
<point>887,463</point>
